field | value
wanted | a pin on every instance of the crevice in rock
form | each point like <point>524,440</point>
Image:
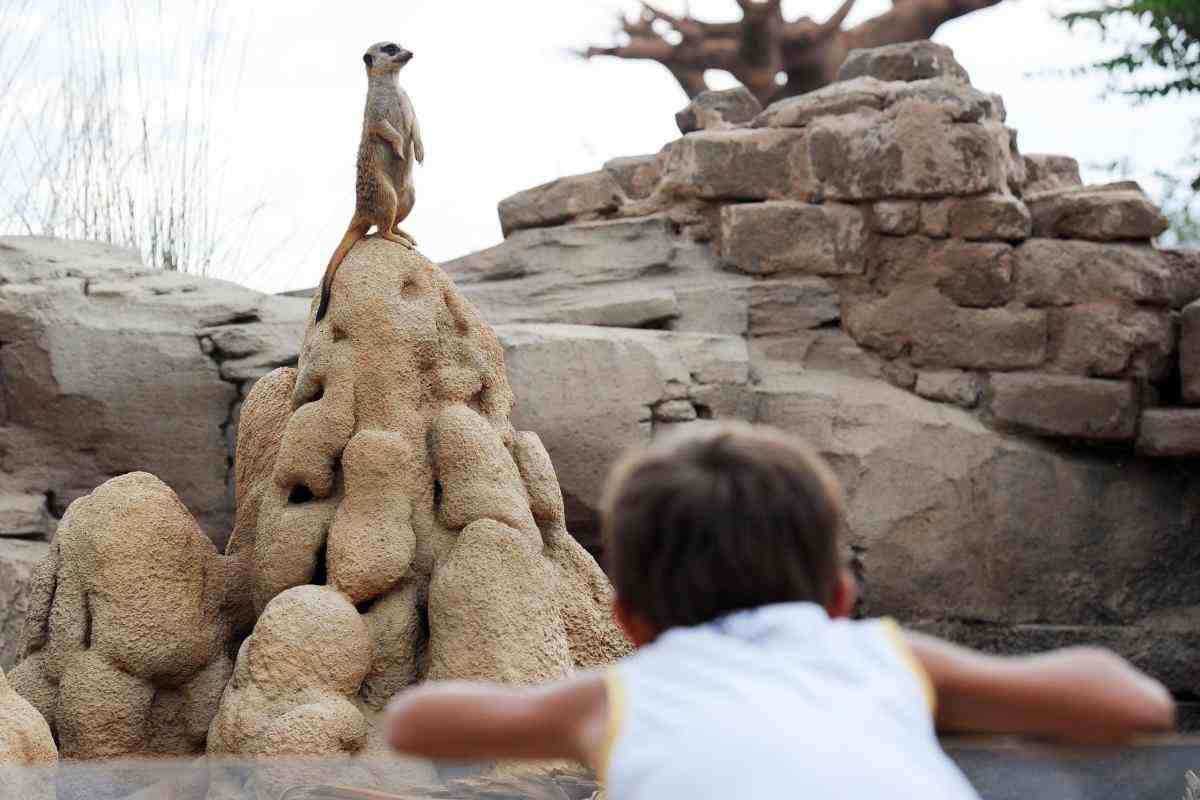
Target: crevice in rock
<point>320,575</point>
<point>300,494</point>
<point>87,623</point>
<point>365,605</point>
<point>52,506</point>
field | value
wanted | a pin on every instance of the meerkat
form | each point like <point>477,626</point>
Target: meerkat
<point>391,140</point>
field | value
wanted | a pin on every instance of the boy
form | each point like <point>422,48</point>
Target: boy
<point>750,680</point>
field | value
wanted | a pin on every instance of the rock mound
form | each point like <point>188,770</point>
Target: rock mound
<point>392,526</point>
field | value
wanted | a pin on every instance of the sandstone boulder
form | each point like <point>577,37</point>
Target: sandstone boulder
<point>1116,212</point>
<point>716,110</point>
<point>27,751</point>
<point>124,647</point>
<point>1066,406</point>
<point>576,197</point>
<point>908,61</point>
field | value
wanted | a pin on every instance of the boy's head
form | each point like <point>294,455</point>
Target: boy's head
<point>726,518</point>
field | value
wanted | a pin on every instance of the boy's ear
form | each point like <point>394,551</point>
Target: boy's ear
<point>845,594</point>
<point>636,629</point>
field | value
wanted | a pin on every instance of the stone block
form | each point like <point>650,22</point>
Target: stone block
<point>25,515</point>
<point>956,102</point>
<point>585,196</point>
<point>934,332</point>
<point>1052,272</point>
<point>718,109</point>
<point>1066,406</point>
<point>1112,341</point>
<point>1169,433</point>
<point>786,307</point>
<point>1118,212</point>
<point>910,151</point>
<point>935,219</point>
<point>995,217</point>
<point>835,99</point>
<point>744,164</point>
<point>907,61</point>
<point>949,386</point>
<point>766,238</point>
<point>896,217</point>
<point>636,175</point>
<point>1189,353</point>
<point>972,274</point>
<point>1044,173</point>
<point>1184,267</point>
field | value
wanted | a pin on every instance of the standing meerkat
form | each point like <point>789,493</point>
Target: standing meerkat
<point>391,140</point>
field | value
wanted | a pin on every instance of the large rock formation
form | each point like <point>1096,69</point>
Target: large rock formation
<point>109,367</point>
<point>987,351</point>
<point>391,526</point>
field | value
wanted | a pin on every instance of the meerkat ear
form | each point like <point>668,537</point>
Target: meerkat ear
<point>367,59</point>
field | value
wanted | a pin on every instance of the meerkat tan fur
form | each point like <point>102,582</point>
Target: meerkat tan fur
<point>391,141</point>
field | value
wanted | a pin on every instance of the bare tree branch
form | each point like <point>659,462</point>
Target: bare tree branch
<point>762,44</point>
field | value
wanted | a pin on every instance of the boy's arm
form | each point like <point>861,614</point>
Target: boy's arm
<point>1082,695</point>
<point>468,721</point>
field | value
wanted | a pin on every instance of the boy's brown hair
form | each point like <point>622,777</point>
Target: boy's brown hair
<point>730,517</point>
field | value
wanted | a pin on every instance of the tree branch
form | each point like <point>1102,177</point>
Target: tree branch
<point>834,24</point>
<point>909,20</point>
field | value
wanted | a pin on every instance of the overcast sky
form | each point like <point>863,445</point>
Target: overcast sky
<point>504,106</point>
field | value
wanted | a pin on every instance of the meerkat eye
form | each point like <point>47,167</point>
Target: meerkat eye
<point>391,49</point>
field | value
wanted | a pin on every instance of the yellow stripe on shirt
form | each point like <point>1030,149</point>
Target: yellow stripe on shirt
<point>615,695</point>
<point>910,658</point>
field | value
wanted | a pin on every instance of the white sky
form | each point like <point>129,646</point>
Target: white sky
<point>504,106</point>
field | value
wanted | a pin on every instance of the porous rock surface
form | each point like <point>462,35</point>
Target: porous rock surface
<point>26,748</point>
<point>392,526</point>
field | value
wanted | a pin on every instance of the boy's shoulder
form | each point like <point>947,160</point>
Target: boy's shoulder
<point>750,646</point>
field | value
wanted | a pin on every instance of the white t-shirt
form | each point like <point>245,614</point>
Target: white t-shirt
<point>775,702</point>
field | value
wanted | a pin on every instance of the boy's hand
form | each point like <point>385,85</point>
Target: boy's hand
<point>1078,695</point>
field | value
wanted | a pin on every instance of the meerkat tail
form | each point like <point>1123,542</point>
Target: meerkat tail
<point>357,230</point>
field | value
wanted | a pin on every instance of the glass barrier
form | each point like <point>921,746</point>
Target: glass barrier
<point>999,770</point>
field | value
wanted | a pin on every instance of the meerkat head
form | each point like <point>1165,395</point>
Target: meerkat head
<point>384,57</point>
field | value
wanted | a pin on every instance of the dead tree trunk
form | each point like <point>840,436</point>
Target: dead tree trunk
<point>772,56</point>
